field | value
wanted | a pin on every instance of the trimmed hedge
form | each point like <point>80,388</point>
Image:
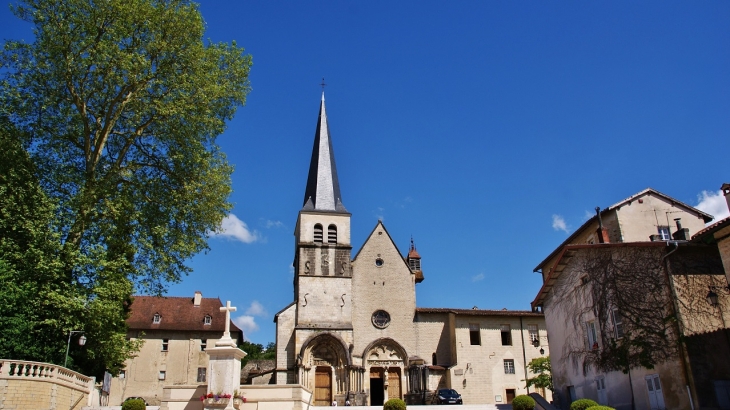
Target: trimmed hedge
<point>134,404</point>
<point>599,407</point>
<point>582,404</point>
<point>523,402</point>
<point>394,404</point>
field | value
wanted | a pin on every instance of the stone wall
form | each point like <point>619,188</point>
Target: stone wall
<point>33,385</point>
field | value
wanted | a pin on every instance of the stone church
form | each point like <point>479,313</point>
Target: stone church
<point>353,331</point>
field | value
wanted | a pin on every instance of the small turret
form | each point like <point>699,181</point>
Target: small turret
<point>414,262</point>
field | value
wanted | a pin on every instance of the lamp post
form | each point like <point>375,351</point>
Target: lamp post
<point>82,341</point>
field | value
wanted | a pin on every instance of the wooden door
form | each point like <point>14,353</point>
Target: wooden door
<point>323,386</point>
<point>394,383</point>
<point>654,388</point>
<point>601,389</point>
<point>510,395</point>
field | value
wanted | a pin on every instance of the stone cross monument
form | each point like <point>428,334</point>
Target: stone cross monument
<point>224,363</point>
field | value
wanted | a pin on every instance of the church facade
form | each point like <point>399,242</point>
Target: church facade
<point>353,331</point>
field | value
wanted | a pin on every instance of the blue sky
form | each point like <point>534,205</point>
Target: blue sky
<point>486,130</point>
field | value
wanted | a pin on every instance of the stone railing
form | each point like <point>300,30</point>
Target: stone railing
<point>24,374</point>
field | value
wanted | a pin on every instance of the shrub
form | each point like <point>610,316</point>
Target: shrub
<point>599,407</point>
<point>394,404</point>
<point>523,402</point>
<point>582,404</point>
<point>134,404</point>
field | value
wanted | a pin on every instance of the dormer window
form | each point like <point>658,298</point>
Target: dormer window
<point>318,233</point>
<point>332,234</point>
<point>207,320</point>
<point>156,318</point>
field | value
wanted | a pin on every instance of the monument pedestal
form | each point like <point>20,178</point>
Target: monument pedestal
<point>224,367</point>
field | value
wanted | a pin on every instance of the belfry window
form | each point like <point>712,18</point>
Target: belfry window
<point>318,233</point>
<point>415,264</point>
<point>332,234</point>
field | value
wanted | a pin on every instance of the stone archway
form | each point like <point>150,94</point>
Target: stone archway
<point>323,368</point>
<point>385,361</point>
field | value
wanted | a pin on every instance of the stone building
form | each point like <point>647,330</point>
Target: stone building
<point>176,331</point>
<point>353,331</point>
<point>630,285</point>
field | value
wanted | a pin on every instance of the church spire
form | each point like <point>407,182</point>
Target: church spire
<point>323,187</point>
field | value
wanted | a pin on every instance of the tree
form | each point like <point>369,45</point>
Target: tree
<point>256,351</point>
<point>119,103</point>
<point>540,367</point>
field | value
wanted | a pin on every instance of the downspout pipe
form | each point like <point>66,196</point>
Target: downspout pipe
<point>524,356</point>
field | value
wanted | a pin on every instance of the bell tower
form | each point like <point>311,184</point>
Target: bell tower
<point>322,272</point>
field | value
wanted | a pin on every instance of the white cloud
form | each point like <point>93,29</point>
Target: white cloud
<point>714,204</point>
<point>559,223</point>
<point>237,230</point>
<point>273,224</point>
<point>477,278</point>
<point>256,309</point>
<point>246,323</point>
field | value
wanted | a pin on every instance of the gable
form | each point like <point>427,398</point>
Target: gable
<point>375,240</point>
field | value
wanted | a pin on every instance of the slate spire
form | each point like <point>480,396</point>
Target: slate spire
<point>323,187</point>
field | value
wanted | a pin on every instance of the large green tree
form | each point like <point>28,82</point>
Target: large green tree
<point>120,102</point>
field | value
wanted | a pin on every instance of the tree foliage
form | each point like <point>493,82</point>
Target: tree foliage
<point>540,367</point>
<point>256,351</point>
<point>118,103</point>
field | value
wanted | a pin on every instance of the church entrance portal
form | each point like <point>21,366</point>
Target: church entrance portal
<point>323,386</point>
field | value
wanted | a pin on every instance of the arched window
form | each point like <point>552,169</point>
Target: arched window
<point>318,233</point>
<point>332,234</point>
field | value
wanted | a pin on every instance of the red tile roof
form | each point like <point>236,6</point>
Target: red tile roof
<point>177,313</point>
<point>711,229</point>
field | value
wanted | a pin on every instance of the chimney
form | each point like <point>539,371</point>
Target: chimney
<point>682,234</point>
<point>601,231</point>
<point>198,297</point>
<point>726,191</point>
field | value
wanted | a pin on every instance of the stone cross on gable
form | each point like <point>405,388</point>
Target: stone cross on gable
<point>228,309</point>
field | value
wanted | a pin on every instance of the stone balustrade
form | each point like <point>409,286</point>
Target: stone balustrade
<point>33,385</point>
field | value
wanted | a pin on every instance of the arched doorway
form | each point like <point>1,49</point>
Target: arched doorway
<point>385,360</point>
<point>324,367</point>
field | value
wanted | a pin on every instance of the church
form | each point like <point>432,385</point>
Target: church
<point>354,333</point>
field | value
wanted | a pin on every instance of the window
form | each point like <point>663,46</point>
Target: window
<point>162,375</point>
<point>332,234</point>
<point>415,264</point>
<point>123,374</point>
<point>381,319</point>
<point>509,366</point>
<point>474,336</point>
<point>534,336</point>
<point>664,232</point>
<point>208,320</point>
<point>156,318</point>
<point>506,335</point>
<point>433,359</point>
<point>592,336</point>
<point>201,374</point>
<point>618,325</point>
<point>203,344</point>
<point>165,344</point>
<point>318,233</point>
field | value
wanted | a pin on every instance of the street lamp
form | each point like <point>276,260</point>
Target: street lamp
<point>82,341</point>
